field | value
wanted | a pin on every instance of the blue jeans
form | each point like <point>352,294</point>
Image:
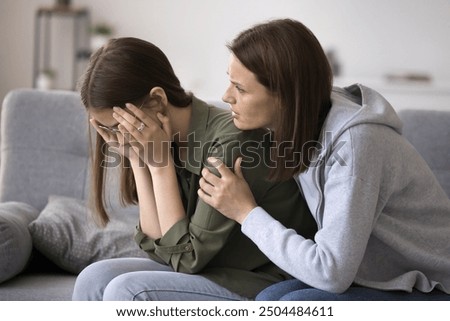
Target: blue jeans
<point>295,290</point>
<point>138,279</point>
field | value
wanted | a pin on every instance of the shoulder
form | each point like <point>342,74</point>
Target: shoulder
<point>372,153</point>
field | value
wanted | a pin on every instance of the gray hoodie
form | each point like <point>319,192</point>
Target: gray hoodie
<point>383,219</point>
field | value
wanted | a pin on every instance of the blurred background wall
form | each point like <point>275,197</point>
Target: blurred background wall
<point>370,39</point>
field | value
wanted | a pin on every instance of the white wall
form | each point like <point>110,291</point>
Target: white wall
<point>372,38</point>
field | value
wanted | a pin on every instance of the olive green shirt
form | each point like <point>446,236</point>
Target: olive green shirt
<point>207,243</point>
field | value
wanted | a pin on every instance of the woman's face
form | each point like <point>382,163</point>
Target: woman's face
<point>252,105</point>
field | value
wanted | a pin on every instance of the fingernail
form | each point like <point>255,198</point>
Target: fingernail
<point>116,108</point>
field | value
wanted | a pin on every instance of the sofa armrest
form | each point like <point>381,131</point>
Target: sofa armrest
<point>15,239</point>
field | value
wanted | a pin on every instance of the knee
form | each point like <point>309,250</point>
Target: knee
<point>120,289</point>
<point>276,291</point>
<point>91,282</point>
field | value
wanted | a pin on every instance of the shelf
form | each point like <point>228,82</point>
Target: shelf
<point>62,10</point>
<point>430,95</point>
<point>43,43</point>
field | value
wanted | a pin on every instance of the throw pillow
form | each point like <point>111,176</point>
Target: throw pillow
<point>65,233</point>
<point>15,239</point>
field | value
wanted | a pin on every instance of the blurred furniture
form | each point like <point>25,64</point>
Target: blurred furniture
<point>429,132</point>
<point>406,94</point>
<point>43,45</point>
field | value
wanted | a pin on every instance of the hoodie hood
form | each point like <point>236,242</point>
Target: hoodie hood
<point>356,105</point>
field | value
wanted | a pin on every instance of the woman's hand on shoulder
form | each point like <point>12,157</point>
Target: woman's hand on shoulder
<point>229,194</point>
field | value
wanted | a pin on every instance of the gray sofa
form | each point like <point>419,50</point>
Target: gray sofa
<point>44,172</point>
<point>46,236</point>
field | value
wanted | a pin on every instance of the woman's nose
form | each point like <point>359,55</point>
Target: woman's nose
<point>229,99</point>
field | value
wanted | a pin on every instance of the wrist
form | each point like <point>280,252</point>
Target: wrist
<point>249,215</point>
<point>137,163</point>
<point>162,164</point>
<point>162,169</point>
<point>245,213</point>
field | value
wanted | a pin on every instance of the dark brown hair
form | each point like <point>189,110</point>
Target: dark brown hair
<point>124,71</point>
<point>289,61</point>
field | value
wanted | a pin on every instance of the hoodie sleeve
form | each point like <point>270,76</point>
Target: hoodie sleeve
<point>346,213</point>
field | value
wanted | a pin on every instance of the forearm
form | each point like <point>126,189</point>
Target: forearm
<point>167,196</point>
<point>331,260</point>
<point>311,262</point>
<point>148,213</point>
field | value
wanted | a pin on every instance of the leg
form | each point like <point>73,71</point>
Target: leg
<point>166,286</point>
<point>364,294</point>
<point>278,290</point>
<point>92,281</point>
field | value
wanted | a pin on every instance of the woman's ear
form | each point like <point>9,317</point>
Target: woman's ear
<point>158,94</point>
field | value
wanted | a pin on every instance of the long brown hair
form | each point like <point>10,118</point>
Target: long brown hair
<point>289,61</point>
<point>124,71</point>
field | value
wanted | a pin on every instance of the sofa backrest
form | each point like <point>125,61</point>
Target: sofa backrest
<point>44,146</point>
<point>429,132</point>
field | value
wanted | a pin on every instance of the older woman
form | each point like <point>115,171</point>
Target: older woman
<point>383,219</point>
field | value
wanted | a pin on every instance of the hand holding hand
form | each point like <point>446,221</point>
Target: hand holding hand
<point>230,193</point>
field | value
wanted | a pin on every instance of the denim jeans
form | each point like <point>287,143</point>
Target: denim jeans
<point>138,279</point>
<point>295,290</point>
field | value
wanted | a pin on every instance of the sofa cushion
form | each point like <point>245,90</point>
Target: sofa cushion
<point>66,233</point>
<point>429,132</point>
<point>44,146</point>
<point>42,286</point>
<point>15,239</point>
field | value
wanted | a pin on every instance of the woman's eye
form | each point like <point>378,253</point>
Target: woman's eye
<point>239,89</point>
